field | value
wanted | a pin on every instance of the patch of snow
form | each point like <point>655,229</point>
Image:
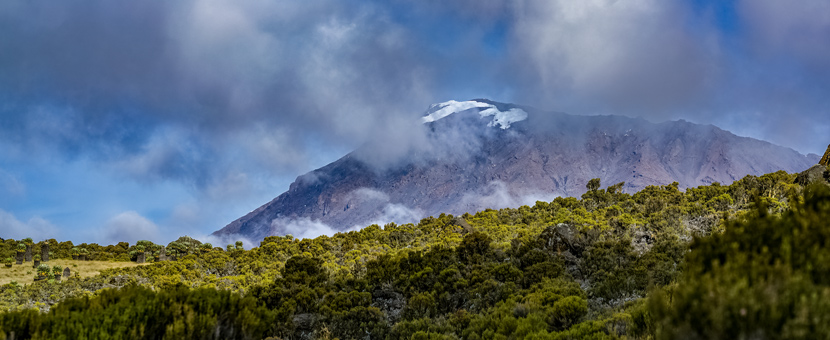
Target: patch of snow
<point>444,109</point>
<point>504,118</point>
<point>501,118</point>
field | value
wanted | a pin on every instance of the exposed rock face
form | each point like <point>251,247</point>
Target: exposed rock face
<point>825,160</point>
<point>491,156</point>
<point>815,173</point>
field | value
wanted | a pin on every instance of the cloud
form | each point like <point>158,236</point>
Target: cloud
<point>797,30</point>
<point>167,154</point>
<point>178,90</point>
<point>639,56</point>
<point>130,227</point>
<point>36,227</point>
<point>397,213</point>
<point>367,194</point>
<point>163,90</point>
<point>706,61</point>
<point>168,89</point>
<point>497,195</point>
<point>300,228</point>
<point>10,185</point>
<point>388,211</point>
<point>457,136</point>
<point>223,241</point>
<point>304,227</point>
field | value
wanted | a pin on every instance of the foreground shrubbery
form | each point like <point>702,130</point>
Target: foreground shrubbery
<point>609,265</point>
<point>765,277</point>
<point>140,313</point>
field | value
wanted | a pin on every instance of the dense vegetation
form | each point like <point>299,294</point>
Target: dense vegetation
<point>748,260</point>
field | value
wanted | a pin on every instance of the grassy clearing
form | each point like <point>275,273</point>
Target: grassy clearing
<point>25,274</point>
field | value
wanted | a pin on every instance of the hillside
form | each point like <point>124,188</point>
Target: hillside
<point>83,269</point>
<point>483,154</point>
<point>609,265</point>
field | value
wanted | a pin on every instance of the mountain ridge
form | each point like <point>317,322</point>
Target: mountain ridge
<point>469,166</point>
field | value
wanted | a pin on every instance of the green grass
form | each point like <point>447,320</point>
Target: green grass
<point>25,274</point>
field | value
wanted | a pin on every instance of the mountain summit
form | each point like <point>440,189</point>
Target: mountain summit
<point>482,154</point>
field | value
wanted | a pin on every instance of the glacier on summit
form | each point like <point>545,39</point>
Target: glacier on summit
<point>501,118</point>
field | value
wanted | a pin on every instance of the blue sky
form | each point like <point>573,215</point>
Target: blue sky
<point>151,120</point>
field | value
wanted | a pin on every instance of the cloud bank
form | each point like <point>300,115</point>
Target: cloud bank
<point>36,227</point>
<point>130,227</point>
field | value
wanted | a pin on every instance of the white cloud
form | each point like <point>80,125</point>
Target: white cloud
<point>397,213</point>
<point>36,227</point>
<point>130,226</point>
<point>223,240</point>
<point>497,195</point>
<point>300,228</point>
<point>391,212</point>
<point>304,227</point>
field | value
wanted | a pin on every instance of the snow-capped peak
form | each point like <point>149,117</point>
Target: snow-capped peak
<point>501,118</point>
<point>441,110</point>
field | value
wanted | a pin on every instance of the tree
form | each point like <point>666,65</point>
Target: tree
<point>303,270</point>
<point>205,247</point>
<point>593,184</point>
<point>43,271</point>
<point>616,188</point>
<point>764,276</point>
<point>474,247</point>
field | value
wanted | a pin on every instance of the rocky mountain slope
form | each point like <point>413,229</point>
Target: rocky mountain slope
<point>482,154</point>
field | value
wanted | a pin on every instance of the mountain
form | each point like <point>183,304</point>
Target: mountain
<point>482,154</point>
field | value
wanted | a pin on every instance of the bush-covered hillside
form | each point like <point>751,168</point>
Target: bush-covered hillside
<point>748,260</point>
